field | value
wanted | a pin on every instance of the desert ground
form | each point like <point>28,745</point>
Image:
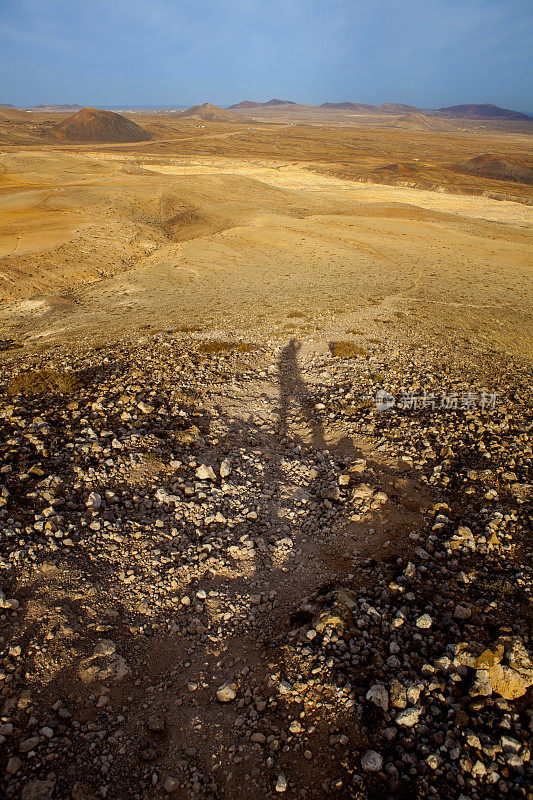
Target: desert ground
<point>225,571</point>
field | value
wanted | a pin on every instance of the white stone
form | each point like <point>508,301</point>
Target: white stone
<point>408,717</point>
<point>378,695</point>
<point>481,685</point>
<point>94,501</point>
<point>227,692</point>
<point>205,473</point>
<point>225,468</point>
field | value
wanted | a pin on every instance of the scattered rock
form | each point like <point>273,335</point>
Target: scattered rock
<point>371,761</point>
<point>227,692</point>
<point>378,695</point>
<point>205,473</point>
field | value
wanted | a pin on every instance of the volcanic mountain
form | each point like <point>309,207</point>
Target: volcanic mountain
<point>95,125</point>
<point>364,108</point>
<point>421,122</point>
<point>500,167</point>
<point>347,106</point>
<point>12,114</point>
<point>483,111</point>
<point>257,104</point>
<point>209,112</point>
<point>397,108</point>
<point>57,107</point>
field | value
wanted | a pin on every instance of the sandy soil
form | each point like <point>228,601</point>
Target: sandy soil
<point>110,242</point>
<point>210,223</point>
<point>289,176</point>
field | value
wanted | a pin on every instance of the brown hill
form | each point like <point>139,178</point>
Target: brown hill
<point>347,106</point>
<point>11,114</point>
<point>364,108</point>
<point>397,108</point>
<point>420,122</point>
<point>499,167</point>
<point>483,111</point>
<point>95,125</point>
<point>403,169</point>
<point>276,102</point>
<point>57,107</point>
<point>258,104</point>
<point>246,104</point>
<point>209,112</point>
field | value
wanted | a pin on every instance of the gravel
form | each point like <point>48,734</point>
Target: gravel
<point>194,600</point>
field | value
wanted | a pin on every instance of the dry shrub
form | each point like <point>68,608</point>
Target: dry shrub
<point>9,344</point>
<point>42,382</point>
<point>219,346</point>
<point>346,349</point>
<point>185,398</point>
<point>215,346</point>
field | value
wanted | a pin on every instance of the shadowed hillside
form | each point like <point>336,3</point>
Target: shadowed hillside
<point>501,167</point>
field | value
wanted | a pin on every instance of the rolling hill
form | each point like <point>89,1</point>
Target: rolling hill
<point>483,111</point>
<point>258,104</point>
<point>498,166</point>
<point>348,106</point>
<point>210,113</point>
<point>420,122</point>
<point>63,107</point>
<point>12,114</point>
<point>397,108</point>
<point>95,125</point>
<point>365,108</point>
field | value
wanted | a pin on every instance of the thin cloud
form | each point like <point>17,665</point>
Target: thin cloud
<point>426,52</point>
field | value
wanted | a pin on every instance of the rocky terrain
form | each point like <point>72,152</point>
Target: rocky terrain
<point>235,568</point>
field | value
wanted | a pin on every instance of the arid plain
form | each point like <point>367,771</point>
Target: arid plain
<point>210,222</point>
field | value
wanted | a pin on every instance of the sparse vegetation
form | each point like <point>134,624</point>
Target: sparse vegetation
<point>9,344</point>
<point>219,346</point>
<point>43,382</point>
<point>346,350</point>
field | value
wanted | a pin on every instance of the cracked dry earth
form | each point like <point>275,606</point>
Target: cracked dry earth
<point>226,574</point>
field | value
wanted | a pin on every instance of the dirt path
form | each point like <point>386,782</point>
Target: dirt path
<point>80,147</point>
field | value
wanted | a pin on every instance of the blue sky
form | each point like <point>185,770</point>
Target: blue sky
<point>428,53</point>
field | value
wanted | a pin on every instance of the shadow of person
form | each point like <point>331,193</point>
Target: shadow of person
<point>292,388</point>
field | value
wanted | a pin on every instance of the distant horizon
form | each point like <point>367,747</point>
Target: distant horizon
<point>425,52</point>
<point>162,106</point>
